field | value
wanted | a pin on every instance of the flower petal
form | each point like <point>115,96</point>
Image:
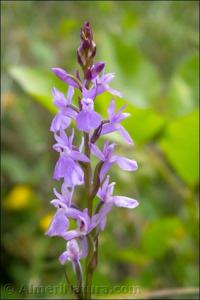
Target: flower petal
<point>89,93</point>
<point>108,128</point>
<point>68,169</point>
<point>70,94</point>
<point>63,75</point>
<point>102,223</point>
<point>108,150</point>
<point>77,176</point>
<point>81,145</point>
<point>111,108</point>
<point>97,68</point>
<point>74,250</point>
<point>73,213</point>
<point>60,122</point>
<point>125,135</point>
<point>71,234</point>
<point>62,139</point>
<point>76,155</point>
<point>59,224</point>
<point>60,167</point>
<point>127,202</point>
<point>59,196</point>
<point>84,246</point>
<point>59,204</point>
<point>67,194</point>
<point>106,208</point>
<point>107,78</point>
<point>58,98</point>
<point>113,91</point>
<point>70,112</point>
<point>71,137</point>
<point>87,120</point>
<point>96,151</point>
<point>125,163</point>
<point>103,189</point>
<point>63,257</point>
<point>104,169</point>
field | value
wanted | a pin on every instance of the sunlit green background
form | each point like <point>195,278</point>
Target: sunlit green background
<point>153,49</point>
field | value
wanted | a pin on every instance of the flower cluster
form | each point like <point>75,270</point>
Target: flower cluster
<point>74,165</point>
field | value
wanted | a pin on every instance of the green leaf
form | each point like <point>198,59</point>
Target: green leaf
<point>136,77</point>
<point>15,168</point>
<point>38,84</point>
<point>159,235</point>
<point>180,145</point>
<point>132,256</point>
<point>183,96</point>
<point>42,52</point>
<point>143,124</point>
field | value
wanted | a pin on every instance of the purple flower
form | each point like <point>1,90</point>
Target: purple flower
<point>109,159</point>
<point>85,224</point>
<point>68,169</point>
<point>101,85</point>
<point>74,166</point>
<point>69,79</point>
<point>62,119</point>
<point>67,166</point>
<point>114,124</point>
<point>105,193</point>
<point>66,195</point>
<point>87,118</point>
<point>82,218</point>
<point>60,222</point>
<point>72,253</point>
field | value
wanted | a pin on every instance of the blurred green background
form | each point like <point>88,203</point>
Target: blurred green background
<point>153,49</point>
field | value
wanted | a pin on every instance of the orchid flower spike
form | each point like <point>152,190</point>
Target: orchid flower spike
<point>77,128</point>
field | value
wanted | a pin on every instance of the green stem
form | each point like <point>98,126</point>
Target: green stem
<point>90,270</point>
<point>87,173</point>
<point>96,180</point>
<point>98,207</point>
<point>92,259</point>
<point>79,276</point>
<point>76,293</point>
<point>88,285</point>
<point>88,259</point>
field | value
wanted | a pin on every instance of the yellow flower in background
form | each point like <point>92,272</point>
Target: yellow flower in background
<point>45,221</point>
<point>18,198</point>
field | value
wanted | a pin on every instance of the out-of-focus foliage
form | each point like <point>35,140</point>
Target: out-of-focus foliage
<point>153,49</point>
<point>182,154</point>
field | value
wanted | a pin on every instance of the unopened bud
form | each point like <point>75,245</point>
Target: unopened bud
<point>87,48</point>
<point>93,71</point>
